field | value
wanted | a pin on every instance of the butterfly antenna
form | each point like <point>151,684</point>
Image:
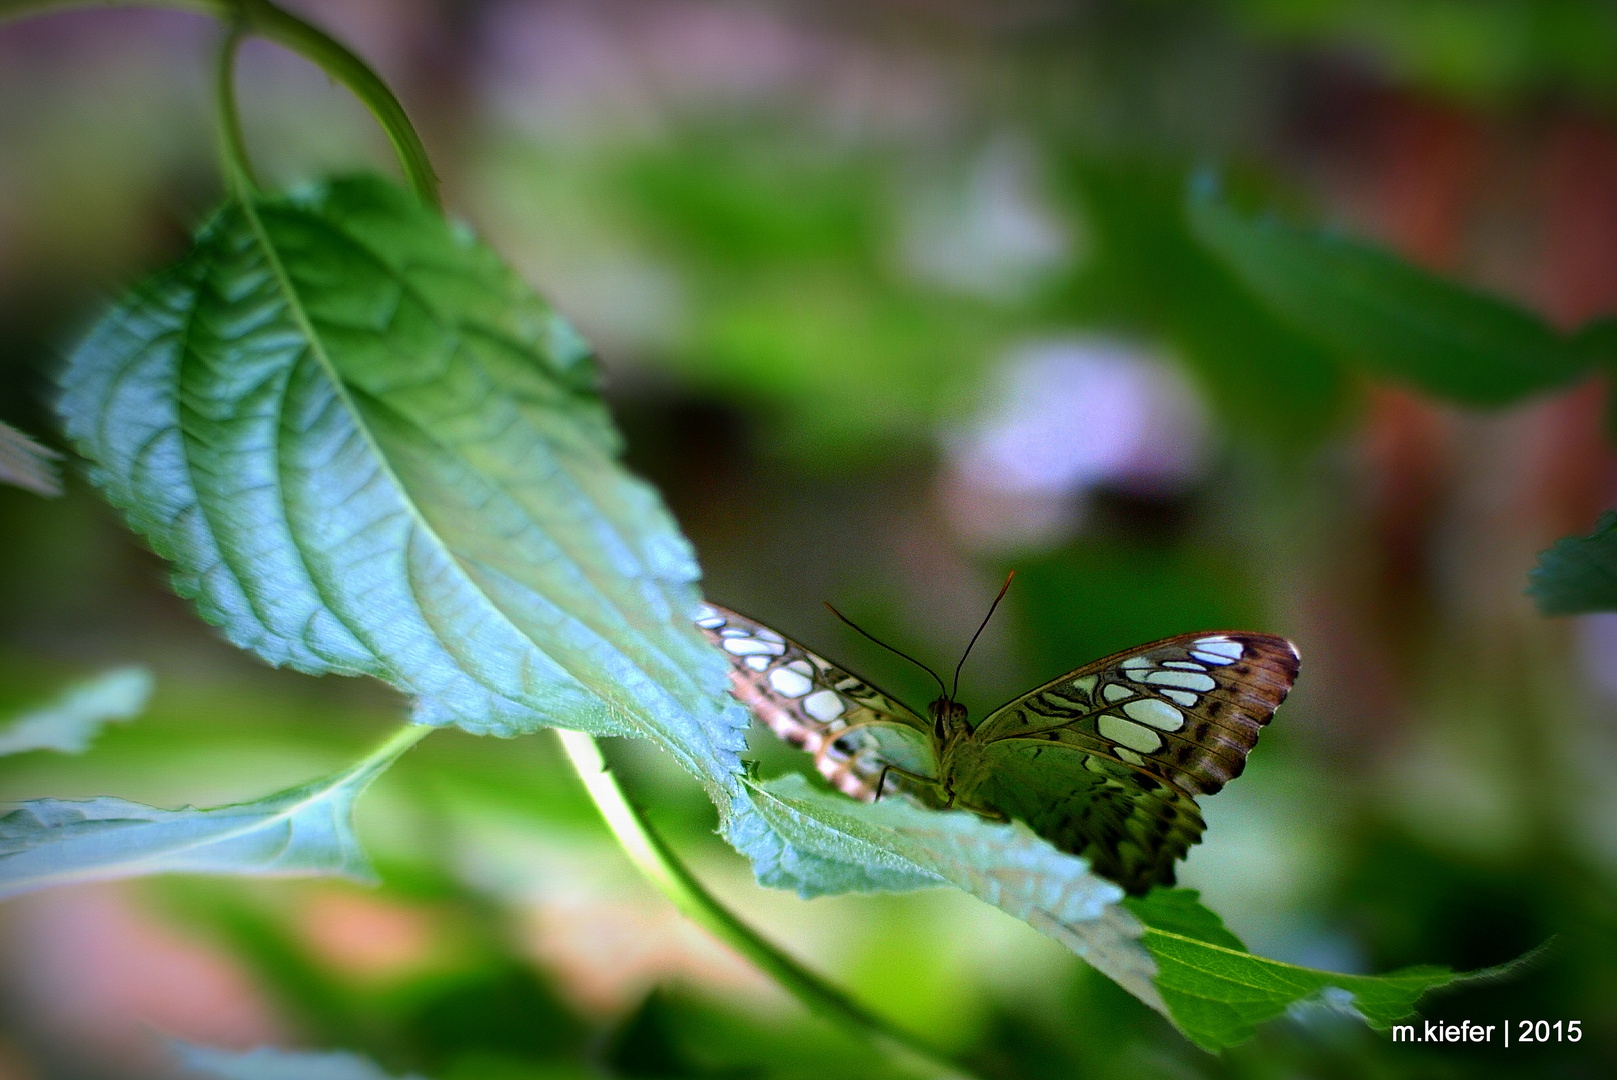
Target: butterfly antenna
<point>886,646</point>
<point>979,633</point>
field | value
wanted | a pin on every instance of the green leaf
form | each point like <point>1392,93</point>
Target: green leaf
<point>1396,319</point>
<point>26,464</point>
<point>1217,993</point>
<point>1579,573</point>
<point>1180,911</point>
<point>301,831</point>
<point>71,721</point>
<point>894,845</point>
<point>267,1063</point>
<point>368,448</point>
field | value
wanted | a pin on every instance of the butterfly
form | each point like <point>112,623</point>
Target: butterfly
<point>1104,762</point>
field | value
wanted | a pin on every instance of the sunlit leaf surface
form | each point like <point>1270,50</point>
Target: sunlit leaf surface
<point>73,720</point>
<point>1217,993</point>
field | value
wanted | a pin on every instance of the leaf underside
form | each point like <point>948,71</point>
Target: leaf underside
<point>367,448</point>
<point>303,830</point>
<point>73,720</point>
<point>1578,574</point>
<point>268,1063</point>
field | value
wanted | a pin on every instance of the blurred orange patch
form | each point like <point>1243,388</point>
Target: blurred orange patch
<point>366,936</point>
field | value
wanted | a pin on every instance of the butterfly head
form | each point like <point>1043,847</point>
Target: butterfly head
<point>948,719</point>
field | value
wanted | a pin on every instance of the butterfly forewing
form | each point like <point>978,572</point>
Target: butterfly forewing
<point>852,729</point>
<point>1187,709</point>
<point>1105,761</point>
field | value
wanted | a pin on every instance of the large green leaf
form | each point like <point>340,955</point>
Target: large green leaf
<point>69,723</point>
<point>367,448</point>
<point>1579,573</point>
<point>1217,993</point>
<point>1400,321</point>
<point>303,830</point>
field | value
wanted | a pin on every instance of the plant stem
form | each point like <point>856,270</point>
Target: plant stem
<point>335,59</point>
<point>653,858</point>
<point>313,44</point>
<point>396,744</point>
<point>233,159</point>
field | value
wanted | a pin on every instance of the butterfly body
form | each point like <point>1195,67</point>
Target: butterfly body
<point>1104,762</point>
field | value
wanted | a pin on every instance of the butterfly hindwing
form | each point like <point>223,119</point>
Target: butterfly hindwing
<point>1131,828</point>
<point>1105,761</point>
<point>852,729</point>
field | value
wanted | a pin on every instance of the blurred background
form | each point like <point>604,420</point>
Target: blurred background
<point>892,297</point>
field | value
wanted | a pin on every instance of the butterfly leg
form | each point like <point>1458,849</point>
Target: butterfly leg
<point>885,769</point>
<point>983,811</point>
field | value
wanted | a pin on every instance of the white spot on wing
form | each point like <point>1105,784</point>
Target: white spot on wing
<point>1130,735</point>
<point>802,667</point>
<point>710,620</point>
<point>1159,714</point>
<point>1116,692</point>
<point>751,646</point>
<point>1086,684</point>
<point>1181,697</point>
<point>1184,680</point>
<point>789,682</point>
<point>824,705</point>
<point>1136,663</point>
<point>757,663</point>
<point>1129,756</point>
<point>767,634</point>
<point>1183,665</point>
<point>1211,658</point>
<point>1220,646</point>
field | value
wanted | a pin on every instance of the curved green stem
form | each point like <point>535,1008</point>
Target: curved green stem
<point>313,44</point>
<point>335,59</point>
<point>653,858</point>
<point>237,166</point>
<point>395,744</point>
